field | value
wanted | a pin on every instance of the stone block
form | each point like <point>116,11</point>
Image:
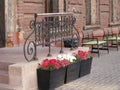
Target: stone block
<point>23,75</point>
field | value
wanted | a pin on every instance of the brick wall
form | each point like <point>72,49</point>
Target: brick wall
<point>25,12</point>
<point>77,6</point>
<point>26,9</point>
<point>104,13</point>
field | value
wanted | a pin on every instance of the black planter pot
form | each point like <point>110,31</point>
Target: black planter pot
<point>85,67</point>
<point>68,42</point>
<point>72,72</point>
<point>48,80</point>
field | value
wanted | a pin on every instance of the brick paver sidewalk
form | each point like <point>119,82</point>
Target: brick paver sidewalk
<point>105,74</point>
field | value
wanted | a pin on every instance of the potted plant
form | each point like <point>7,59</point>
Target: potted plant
<point>72,70</point>
<point>85,58</point>
<point>51,73</point>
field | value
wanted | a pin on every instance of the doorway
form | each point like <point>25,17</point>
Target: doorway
<point>51,6</point>
<point>2,23</point>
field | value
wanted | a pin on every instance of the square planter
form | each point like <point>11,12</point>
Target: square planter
<point>72,72</point>
<point>48,80</point>
<point>68,42</point>
<point>85,67</point>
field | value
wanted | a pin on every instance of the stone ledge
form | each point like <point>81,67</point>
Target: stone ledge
<point>112,24</point>
<point>87,27</point>
<point>23,75</point>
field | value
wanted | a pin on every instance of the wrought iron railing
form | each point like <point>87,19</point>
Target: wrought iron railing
<point>49,28</point>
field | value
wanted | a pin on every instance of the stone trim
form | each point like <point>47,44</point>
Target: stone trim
<point>9,16</point>
<point>114,24</point>
<point>91,27</point>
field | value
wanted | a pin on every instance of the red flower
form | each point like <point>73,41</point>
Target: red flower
<point>45,61</point>
<point>65,63</point>
<point>52,62</point>
<point>45,64</point>
<point>83,55</point>
<point>58,64</point>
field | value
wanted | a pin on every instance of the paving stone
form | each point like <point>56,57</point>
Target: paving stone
<point>105,74</point>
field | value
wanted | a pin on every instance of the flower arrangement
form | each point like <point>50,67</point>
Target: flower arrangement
<point>68,57</point>
<point>51,64</point>
<point>82,55</point>
<point>64,60</point>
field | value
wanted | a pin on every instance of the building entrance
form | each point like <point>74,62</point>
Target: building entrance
<point>2,23</point>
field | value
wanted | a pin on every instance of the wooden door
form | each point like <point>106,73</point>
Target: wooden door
<point>2,23</point>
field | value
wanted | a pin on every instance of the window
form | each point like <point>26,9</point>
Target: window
<point>53,6</point>
<point>115,11</point>
<point>92,12</point>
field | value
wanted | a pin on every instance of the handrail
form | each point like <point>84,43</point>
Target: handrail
<point>54,14</point>
<point>49,28</point>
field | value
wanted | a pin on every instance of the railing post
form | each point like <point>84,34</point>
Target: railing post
<point>49,44</point>
<point>61,51</point>
<point>35,28</point>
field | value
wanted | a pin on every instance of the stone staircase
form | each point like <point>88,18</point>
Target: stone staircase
<point>4,78</point>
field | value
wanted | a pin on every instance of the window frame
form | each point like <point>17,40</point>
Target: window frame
<point>115,13</point>
<point>49,6</point>
<point>89,12</point>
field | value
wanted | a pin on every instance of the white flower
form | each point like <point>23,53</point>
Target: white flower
<point>69,57</point>
<point>61,56</point>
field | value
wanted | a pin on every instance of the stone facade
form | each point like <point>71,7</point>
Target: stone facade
<point>20,12</point>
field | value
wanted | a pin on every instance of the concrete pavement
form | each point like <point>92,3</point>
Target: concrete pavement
<point>105,74</point>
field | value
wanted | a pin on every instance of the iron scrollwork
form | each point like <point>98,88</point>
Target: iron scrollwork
<point>49,30</point>
<point>29,46</point>
<point>29,51</point>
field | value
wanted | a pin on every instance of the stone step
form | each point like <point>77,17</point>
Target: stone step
<point>5,87</point>
<point>9,87</point>
<point>4,65</point>
<point>4,77</point>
